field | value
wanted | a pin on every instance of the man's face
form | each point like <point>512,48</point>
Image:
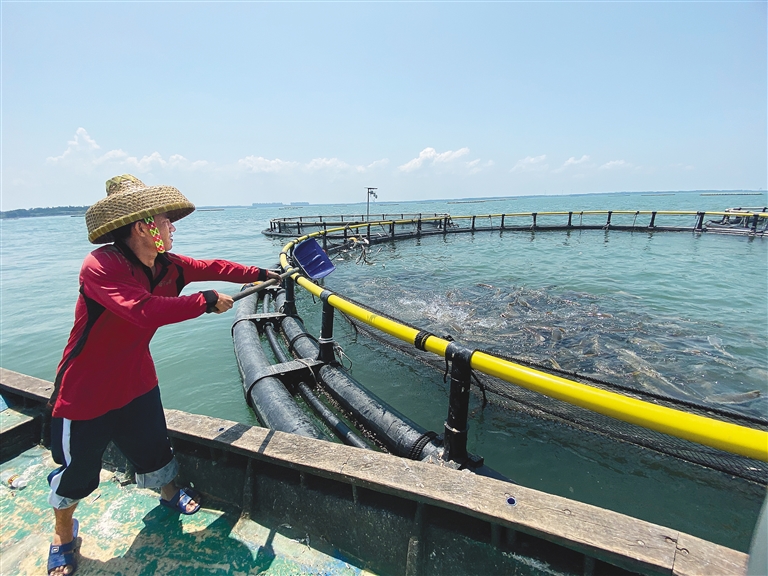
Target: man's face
<point>166,229</point>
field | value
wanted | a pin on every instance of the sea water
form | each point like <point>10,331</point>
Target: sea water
<point>683,314</point>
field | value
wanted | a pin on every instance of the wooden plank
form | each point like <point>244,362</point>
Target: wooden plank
<point>27,386</point>
<point>697,557</point>
<point>19,431</point>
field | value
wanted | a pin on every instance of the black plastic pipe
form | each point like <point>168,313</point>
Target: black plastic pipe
<point>400,435</point>
<point>344,432</point>
<point>271,402</point>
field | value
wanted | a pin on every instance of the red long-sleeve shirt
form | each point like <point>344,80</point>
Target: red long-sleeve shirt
<point>106,361</point>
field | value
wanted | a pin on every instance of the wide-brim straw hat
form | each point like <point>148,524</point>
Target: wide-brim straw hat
<point>128,200</point>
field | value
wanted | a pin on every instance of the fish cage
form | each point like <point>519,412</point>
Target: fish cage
<point>684,429</point>
<point>747,221</point>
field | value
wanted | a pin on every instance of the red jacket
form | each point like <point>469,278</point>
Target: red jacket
<point>106,362</point>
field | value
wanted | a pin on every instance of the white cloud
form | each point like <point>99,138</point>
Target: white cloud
<point>572,162</point>
<point>81,155</point>
<point>259,164</point>
<point>109,156</point>
<point>333,164</point>
<point>178,161</point>
<point>336,165</point>
<point>82,142</point>
<point>613,164</point>
<point>377,164</point>
<point>475,166</point>
<point>531,164</point>
<point>436,157</point>
<point>145,163</point>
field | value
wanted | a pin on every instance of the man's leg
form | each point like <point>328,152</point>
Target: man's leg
<point>64,529</point>
<point>63,534</point>
<point>142,435</point>
<point>78,447</point>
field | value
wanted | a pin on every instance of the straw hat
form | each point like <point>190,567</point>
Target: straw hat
<point>128,200</point>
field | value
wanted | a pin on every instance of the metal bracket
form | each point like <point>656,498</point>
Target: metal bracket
<point>286,371</point>
<point>260,319</point>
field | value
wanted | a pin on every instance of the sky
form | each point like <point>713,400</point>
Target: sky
<point>235,103</point>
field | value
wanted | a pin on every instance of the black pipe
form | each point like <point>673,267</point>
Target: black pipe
<point>289,307</point>
<point>271,402</point>
<point>326,354</point>
<point>397,433</point>
<point>343,431</point>
<point>458,402</point>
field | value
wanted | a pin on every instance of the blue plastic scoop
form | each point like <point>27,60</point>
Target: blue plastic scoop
<point>312,261</point>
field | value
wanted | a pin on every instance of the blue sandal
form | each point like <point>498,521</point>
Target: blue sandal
<point>183,497</point>
<point>64,554</point>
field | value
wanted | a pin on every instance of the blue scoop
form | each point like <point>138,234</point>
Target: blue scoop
<point>312,259</point>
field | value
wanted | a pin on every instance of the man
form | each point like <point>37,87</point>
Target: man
<point>106,385</point>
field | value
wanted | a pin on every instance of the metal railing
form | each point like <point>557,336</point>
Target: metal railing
<point>753,222</point>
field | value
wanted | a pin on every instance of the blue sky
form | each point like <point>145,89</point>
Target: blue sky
<point>235,103</point>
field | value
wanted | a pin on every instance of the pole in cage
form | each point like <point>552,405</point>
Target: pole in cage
<point>371,192</point>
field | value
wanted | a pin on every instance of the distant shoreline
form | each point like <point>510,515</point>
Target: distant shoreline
<point>80,210</point>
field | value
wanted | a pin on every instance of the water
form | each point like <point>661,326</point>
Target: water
<point>678,313</point>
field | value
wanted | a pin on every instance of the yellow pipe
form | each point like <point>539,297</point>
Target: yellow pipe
<point>722,435</point>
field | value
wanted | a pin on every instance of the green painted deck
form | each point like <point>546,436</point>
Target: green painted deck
<point>124,530</point>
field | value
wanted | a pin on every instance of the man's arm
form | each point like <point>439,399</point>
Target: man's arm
<point>108,279</point>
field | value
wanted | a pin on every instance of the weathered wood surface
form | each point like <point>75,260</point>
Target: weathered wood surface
<point>619,539</point>
<point>696,556</point>
<point>634,544</point>
<point>33,388</point>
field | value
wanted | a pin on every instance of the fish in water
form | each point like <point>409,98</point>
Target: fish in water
<point>646,374</point>
<point>590,346</point>
<point>717,344</point>
<point>735,398</point>
<point>647,344</point>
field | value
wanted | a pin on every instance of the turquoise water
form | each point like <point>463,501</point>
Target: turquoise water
<point>678,313</point>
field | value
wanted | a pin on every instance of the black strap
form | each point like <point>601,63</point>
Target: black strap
<point>302,334</point>
<point>421,339</point>
<point>415,452</point>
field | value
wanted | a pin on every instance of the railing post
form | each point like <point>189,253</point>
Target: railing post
<point>653,220</point>
<point>368,234</point>
<point>534,220</point>
<point>325,237</point>
<point>418,226</point>
<point>502,221</point>
<point>570,218</point>
<point>699,220</point>
<point>608,223</point>
<point>392,229</point>
<point>326,333</point>
<point>473,223</point>
<point>289,306</point>
<point>455,442</point>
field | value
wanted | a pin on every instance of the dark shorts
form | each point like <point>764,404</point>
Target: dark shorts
<point>137,429</point>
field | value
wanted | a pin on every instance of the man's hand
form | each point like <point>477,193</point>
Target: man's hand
<point>224,303</point>
<point>275,275</point>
